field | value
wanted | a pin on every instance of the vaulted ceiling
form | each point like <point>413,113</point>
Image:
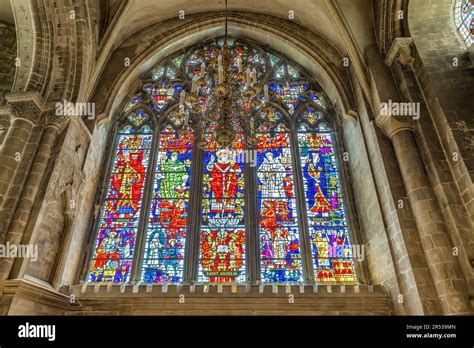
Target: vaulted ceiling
<point>312,14</point>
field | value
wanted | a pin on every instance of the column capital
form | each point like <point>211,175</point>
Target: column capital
<point>390,125</point>
<point>26,105</point>
<point>400,51</point>
<point>55,121</point>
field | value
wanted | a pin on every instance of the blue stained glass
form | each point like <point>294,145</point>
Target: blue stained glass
<point>166,231</point>
<point>329,234</point>
<point>278,226</point>
<point>118,224</point>
<point>291,94</point>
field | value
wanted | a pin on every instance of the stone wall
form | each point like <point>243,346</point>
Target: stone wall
<point>445,58</point>
<point>58,205</point>
<point>7,58</point>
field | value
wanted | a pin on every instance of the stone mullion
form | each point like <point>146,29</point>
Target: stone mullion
<point>140,242</point>
<point>194,216</point>
<point>31,188</point>
<point>191,218</point>
<point>300,198</point>
<point>252,252</point>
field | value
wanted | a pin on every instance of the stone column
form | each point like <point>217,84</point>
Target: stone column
<point>443,265</point>
<point>4,123</point>
<point>22,213</point>
<point>26,110</point>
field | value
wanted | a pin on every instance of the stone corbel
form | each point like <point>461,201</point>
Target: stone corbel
<point>401,51</point>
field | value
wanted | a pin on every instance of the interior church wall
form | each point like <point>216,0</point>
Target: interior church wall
<point>450,70</point>
<point>59,204</point>
<point>81,235</point>
<point>7,59</point>
<point>379,261</point>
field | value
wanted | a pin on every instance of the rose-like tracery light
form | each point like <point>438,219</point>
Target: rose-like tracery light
<point>231,102</point>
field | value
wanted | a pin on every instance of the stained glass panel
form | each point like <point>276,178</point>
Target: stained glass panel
<point>222,236</point>
<point>166,232</point>
<point>311,116</point>
<point>317,99</point>
<point>137,118</point>
<point>464,20</point>
<point>329,234</point>
<point>273,59</point>
<point>135,100</point>
<point>278,225</point>
<point>178,60</point>
<point>120,214</point>
<point>290,94</point>
<point>162,95</point>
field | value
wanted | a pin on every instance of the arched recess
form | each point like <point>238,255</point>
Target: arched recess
<point>136,56</point>
<point>117,81</point>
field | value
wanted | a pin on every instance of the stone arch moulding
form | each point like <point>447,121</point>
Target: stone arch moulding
<point>312,62</point>
<point>311,51</point>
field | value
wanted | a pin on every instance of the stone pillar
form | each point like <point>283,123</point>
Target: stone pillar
<point>26,110</point>
<point>444,266</point>
<point>22,213</point>
<point>4,123</point>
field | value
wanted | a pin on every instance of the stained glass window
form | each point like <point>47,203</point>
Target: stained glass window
<point>222,235</point>
<point>464,20</point>
<point>121,210</point>
<point>166,233</point>
<point>328,230</point>
<point>293,182</point>
<point>278,222</point>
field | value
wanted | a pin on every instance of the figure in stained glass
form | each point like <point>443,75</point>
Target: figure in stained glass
<point>224,173</point>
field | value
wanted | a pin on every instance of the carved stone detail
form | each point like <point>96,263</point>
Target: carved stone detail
<point>400,51</point>
<point>54,120</point>
<point>28,106</point>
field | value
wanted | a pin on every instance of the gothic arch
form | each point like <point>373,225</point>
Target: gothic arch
<point>308,49</point>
